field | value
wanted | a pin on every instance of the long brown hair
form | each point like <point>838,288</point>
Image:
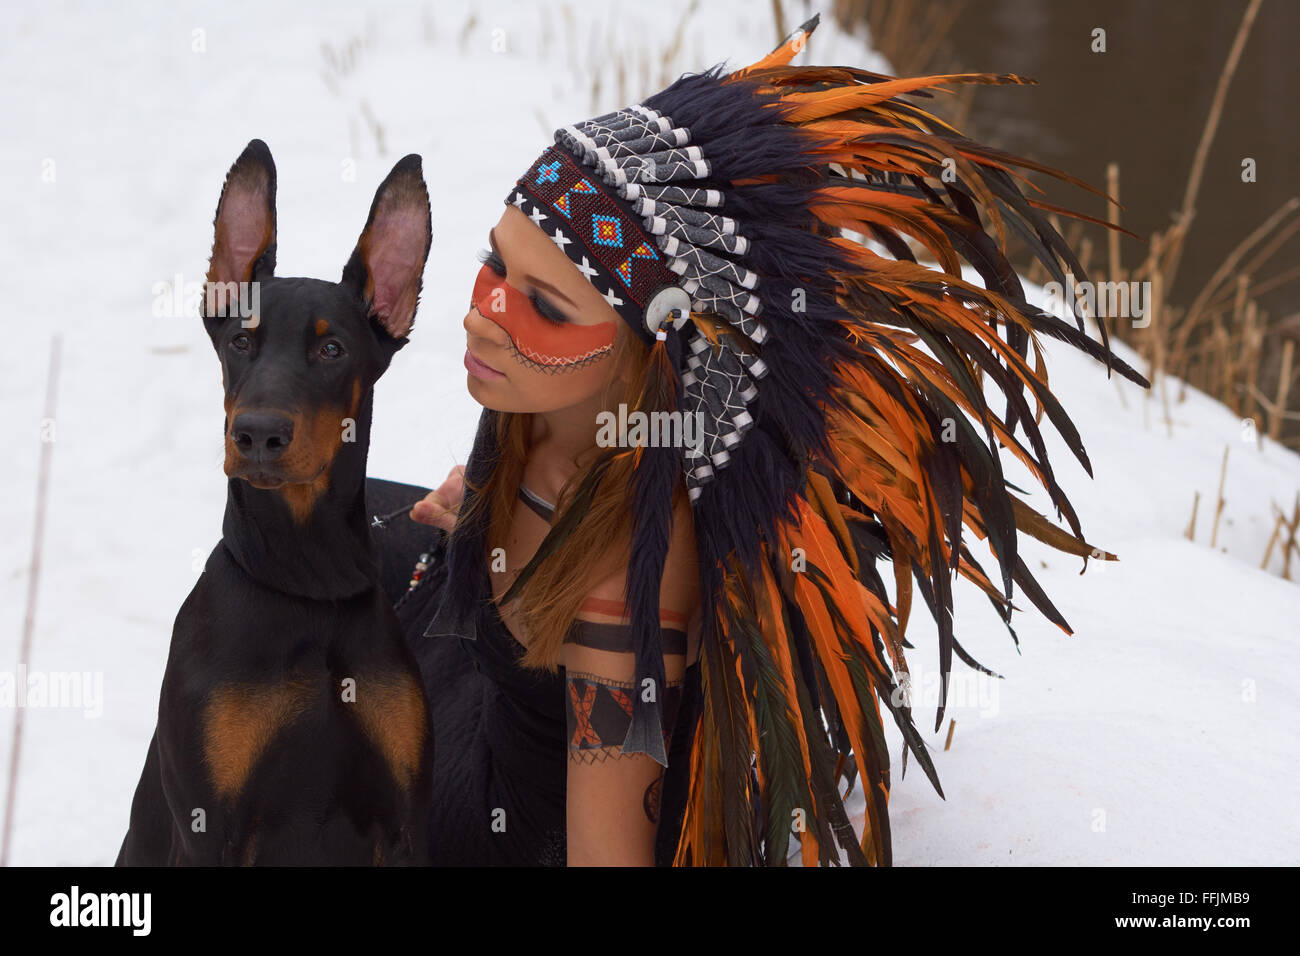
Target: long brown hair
<point>548,601</point>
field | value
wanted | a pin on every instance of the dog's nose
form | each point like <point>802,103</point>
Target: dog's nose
<point>261,436</point>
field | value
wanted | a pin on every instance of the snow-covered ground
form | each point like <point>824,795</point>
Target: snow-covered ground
<point>1162,732</point>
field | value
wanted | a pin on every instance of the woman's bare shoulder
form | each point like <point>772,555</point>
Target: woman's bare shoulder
<point>605,606</point>
<point>680,588</point>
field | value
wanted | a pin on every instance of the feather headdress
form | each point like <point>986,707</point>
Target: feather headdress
<point>757,228</point>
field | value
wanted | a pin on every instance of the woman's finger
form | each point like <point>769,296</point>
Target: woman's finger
<point>431,509</point>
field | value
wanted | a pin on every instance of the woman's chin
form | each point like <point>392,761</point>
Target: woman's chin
<point>491,394</point>
<point>477,392</point>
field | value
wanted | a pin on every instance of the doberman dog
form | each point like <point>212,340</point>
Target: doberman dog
<point>293,726</point>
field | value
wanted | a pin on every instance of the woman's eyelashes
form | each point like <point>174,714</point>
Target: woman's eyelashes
<point>547,311</point>
<point>493,261</point>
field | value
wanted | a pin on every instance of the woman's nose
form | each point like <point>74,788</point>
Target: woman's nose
<point>476,325</point>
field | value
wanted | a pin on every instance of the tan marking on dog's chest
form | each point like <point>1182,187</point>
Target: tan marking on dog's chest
<point>390,709</point>
<point>301,499</point>
<point>240,721</point>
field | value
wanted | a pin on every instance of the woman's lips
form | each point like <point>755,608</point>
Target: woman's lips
<point>479,369</point>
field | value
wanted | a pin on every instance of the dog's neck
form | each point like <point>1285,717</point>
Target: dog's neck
<point>326,554</point>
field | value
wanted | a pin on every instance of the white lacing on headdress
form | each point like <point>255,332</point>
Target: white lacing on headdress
<point>650,161</point>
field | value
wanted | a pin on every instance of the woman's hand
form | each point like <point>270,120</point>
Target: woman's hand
<point>440,506</point>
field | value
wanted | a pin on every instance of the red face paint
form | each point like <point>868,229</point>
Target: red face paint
<point>537,339</point>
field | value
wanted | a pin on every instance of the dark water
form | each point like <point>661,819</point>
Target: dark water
<point>1143,104</point>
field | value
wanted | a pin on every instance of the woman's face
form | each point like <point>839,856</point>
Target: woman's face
<point>539,336</point>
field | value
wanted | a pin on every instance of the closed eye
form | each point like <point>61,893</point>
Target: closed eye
<point>493,261</point>
<point>546,310</point>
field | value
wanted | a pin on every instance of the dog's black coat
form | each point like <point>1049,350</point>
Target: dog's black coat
<point>292,725</point>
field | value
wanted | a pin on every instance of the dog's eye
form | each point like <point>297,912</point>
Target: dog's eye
<point>331,350</point>
<point>241,342</point>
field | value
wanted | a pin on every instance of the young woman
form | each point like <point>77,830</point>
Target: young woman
<point>573,617</point>
<point>718,389</point>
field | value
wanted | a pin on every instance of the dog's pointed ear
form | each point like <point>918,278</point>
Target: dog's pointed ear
<point>387,266</point>
<point>243,245</point>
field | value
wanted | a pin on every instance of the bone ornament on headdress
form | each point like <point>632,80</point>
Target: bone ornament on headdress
<point>727,220</point>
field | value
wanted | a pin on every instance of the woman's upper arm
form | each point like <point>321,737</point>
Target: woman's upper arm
<point>612,797</point>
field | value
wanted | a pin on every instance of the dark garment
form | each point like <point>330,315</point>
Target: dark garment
<point>500,750</point>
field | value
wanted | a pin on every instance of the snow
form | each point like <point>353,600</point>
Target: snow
<point>1161,732</point>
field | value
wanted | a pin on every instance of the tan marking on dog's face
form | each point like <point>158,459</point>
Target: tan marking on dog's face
<point>323,444</point>
<point>239,722</point>
<point>317,437</point>
<point>322,326</point>
<point>305,467</point>
<point>391,710</point>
